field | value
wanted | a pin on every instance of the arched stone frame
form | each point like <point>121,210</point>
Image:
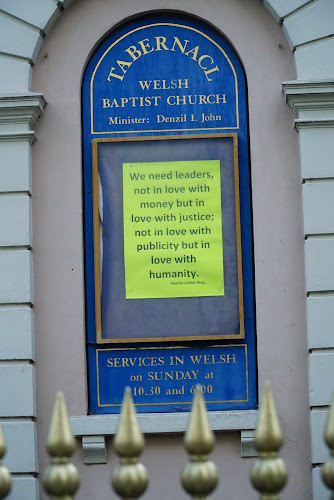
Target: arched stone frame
<point>309,29</point>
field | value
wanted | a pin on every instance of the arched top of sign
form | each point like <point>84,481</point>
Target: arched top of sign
<point>130,72</point>
<point>179,44</point>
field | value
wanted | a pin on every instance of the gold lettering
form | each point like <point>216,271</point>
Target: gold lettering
<point>124,101</point>
<point>196,359</point>
<point>169,98</point>
<point>161,40</point>
<point>232,356</point>
<point>210,71</point>
<point>177,41</point>
<point>146,48</point>
<point>133,52</point>
<point>201,99</point>
<point>164,85</point>
<point>145,45</point>
<point>144,362</point>
<point>155,99</point>
<point>140,362</point>
<point>154,361</point>
<point>114,103</point>
<point>114,75</point>
<point>175,360</point>
<point>185,83</point>
<point>145,84</point>
<point>178,98</point>
<point>121,64</point>
<point>208,99</point>
<point>222,98</point>
<point>201,59</point>
<point>170,392</point>
<point>106,103</point>
<point>194,53</point>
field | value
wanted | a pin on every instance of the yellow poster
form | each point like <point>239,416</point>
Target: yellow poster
<point>173,240</point>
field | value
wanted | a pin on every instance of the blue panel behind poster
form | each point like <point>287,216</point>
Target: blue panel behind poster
<point>160,77</point>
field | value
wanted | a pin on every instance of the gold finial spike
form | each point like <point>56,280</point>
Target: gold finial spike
<point>269,435</point>
<point>5,479</point>
<point>60,439</point>
<point>130,478</point>
<point>61,479</point>
<point>328,467</point>
<point>3,447</point>
<point>199,477</point>
<point>269,473</point>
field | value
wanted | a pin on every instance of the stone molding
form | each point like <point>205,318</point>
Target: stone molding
<point>20,110</point>
<point>309,95</point>
<point>18,136</point>
<point>302,124</point>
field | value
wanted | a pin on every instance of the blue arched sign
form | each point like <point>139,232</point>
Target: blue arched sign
<point>168,237</point>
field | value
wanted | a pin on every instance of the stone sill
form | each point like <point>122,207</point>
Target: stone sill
<point>93,429</point>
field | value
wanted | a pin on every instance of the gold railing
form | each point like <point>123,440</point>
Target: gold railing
<point>199,477</point>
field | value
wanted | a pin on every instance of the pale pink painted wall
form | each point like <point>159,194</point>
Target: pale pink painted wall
<point>278,240</point>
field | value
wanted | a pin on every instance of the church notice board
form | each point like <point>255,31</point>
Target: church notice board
<point>168,235</point>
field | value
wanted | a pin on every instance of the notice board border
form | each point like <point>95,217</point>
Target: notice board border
<point>97,278</point>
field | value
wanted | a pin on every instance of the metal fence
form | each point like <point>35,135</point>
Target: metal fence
<point>199,477</point>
